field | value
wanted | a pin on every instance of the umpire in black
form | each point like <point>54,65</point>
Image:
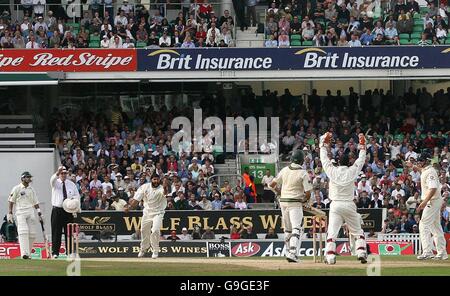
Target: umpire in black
<point>61,189</point>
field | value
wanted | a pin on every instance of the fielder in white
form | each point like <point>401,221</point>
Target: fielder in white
<point>155,203</point>
<point>430,223</point>
<point>295,190</point>
<point>24,198</point>
<point>342,208</point>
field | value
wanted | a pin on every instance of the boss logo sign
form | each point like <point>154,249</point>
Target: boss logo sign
<point>245,249</point>
<point>218,247</point>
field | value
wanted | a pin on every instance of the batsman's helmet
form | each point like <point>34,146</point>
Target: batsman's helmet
<point>425,156</point>
<point>26,174</point>
<point>297,157</point>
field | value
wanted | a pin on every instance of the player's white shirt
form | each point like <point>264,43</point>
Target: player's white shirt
<point>23,197</point>
<point>154,199</point>
<point>342,178</point>
<point>429,180</point>
<point>294,183</point>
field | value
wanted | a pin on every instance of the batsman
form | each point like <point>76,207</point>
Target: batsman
<point>342,208</point>
<point>23,198</point>
<point>295,190</point>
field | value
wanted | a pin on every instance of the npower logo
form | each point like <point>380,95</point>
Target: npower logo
<point>245,249</point>
<point>8,250</point>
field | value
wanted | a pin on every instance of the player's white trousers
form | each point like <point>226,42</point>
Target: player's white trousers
<point>26,229</point>
<point>340,212</point>
<point>151,230</point>
<point>430,224</point>
<point>292,213</point>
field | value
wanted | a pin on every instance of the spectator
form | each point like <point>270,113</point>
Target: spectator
<point>308,32</point>
<point>271,42</point>
<point>342,41</point>
<point>364,201</point>
<point>205,204</point>
<point>366,37</point>
<point>118,204</point>
<point>234,234</point>
<point>165,40</point>
<point>32,44</point>
<point>105,42</point>
<point>187,43</point>
<point>268,195</point>
<point>283,39</point>
<point>208,234</point>
<point>216,203</point>
<point>228,202</point>
<point>271,234</point>
<point>185,236</point>
<point>247,233</point>
<point>251,12</point>
<point>376,203</point>
<point>240,204</point>
<point>424,40</point>
<point>181,203</point>
<point>354,42</point>
<point>173,236</point>
<point>390,33</point>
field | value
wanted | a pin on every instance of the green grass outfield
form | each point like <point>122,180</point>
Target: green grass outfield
<point>397,266</point>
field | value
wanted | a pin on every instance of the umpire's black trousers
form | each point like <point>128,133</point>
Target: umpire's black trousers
<point>59,220</point>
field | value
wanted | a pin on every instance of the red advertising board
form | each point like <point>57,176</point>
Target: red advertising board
<point>68,60</point>
<point>380,247</point>
<point>12,250</point>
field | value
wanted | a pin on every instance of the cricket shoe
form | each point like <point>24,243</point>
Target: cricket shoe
<point>154,255</point>
<point>26,257</point>
<point>363,258</point>
<point>142,253</point>
<point>290,257</point>
<point>441,257</point>
<point>330,259</point>
<point>425,256</point>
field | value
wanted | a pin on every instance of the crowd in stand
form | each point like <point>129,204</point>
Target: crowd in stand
<point>356,23</point>
<point>111,155</point>
<point>107,24</point>
<point>104,25</point>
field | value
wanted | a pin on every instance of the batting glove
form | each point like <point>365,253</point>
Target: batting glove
<point>362,142</point>
<point>325,139</point>
<point>10,218</point>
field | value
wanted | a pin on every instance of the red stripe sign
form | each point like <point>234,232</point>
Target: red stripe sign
<point>68,60</point>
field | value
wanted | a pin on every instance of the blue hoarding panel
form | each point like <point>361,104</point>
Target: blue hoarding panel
<point>310,58</point>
